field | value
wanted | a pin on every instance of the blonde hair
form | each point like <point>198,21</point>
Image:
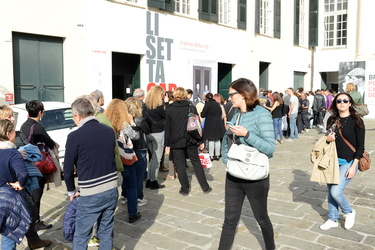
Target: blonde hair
<point>350,87</point>
<point>5,128</point>
<point>180,94</point>
<point>134,106</point>
<point>155,97</point>
<point>117,113</point>
<point>5,112</point>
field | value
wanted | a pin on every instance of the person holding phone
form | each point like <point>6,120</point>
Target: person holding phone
<point>344,122</point>
<point>255,129</point>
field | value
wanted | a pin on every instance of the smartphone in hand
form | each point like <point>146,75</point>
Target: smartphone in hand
<point>229,123</point>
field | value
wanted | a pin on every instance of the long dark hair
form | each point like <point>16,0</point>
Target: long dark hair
<point>335,112</point>
<point>248,90</point>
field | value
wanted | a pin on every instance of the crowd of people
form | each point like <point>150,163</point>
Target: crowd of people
<point>156,125</point>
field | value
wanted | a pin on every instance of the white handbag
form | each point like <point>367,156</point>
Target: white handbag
<point>246,162</point>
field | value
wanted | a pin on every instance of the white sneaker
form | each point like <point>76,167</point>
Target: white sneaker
<point>123,200</point>
<point>349,219</point>
<point>289,139</point>
<point>307,130</point>
<point>142,202</point>
<point>329,224</point>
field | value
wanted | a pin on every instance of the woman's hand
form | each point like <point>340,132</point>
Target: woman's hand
<point>74,195</point>
<point>167,150</point>
<point>23,153</point>
<point>352,170</point>
<point>238,130</point>
<point>331,137</point>
<point>201,147</point>
<point>16,185</point>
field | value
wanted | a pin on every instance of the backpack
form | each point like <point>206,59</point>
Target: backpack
<point>194,127</point>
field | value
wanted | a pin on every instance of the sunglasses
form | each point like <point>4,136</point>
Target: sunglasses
<point>338,101</point>
<point>233,93</point>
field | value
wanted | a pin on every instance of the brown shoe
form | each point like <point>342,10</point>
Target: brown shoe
<point>39,244</point>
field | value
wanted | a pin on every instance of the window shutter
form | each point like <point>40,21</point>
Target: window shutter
<point>296,22</point>
<point>313,23</point>
<point>169,5</point>
<point>214,17</point>
<point>204,10</point>
<point>160,4</point>
<point>277,19</point>
<point>241,14</point>
<point>257,6</point>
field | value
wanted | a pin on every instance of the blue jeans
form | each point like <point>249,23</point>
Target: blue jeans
<point>336,196</point>
<point>7,244</point>
<point>155,144</point>
<point>293,126</point>
<point>129,188</point>
<point>277,129</point>
<point>98,208</point>
<point>140,168</point>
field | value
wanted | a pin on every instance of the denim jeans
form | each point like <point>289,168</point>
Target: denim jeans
<point>293,126</point>
<point>336,198</point>
<point>95,208</point>
<point>277,129</point>
<point>214,147</point>
<point>129,188</point>
<point>155,141</point>
<point>140,168</point>
<point>7,244</point>
<point>257,194</point>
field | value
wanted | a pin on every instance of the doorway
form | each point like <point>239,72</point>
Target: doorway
<point>125,74</point>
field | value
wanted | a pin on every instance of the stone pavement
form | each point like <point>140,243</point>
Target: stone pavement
<point>296,206</point>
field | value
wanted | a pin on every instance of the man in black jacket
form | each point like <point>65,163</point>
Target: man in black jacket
<point>35,110</point>
<point>319,108</point>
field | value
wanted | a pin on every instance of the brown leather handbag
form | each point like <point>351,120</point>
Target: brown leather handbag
<point>365,161</point>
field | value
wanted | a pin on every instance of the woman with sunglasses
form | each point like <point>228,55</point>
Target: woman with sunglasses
<point>254,128</point>
<point>344,122</point>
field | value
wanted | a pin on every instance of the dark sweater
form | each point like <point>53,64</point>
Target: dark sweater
<point>176,135</point>
<point>12,167</point>
<point>155,118</point>
<point>91,148</point>
<point>39,135</point>
<point>355,135</point>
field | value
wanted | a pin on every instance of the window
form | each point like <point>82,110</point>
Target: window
<point>182,6</point>
<point>265,17</point>
<point>268,17</point>
<point>208,10</point>
<point>335,23</point>
<point>224,11</point>
<point>167,5</point>
<point>301,20</point>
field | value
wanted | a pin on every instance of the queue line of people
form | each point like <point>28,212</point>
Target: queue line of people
<point>157,125</point>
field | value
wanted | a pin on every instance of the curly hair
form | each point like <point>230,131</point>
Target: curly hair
<point>155,97</point>
<point>248,90</point>
<point>5,128</point>
<point>117,113</point>
<point>134,106</point>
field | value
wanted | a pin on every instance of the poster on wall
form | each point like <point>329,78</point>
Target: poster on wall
<point>201,83</point>
<point>353,72</point>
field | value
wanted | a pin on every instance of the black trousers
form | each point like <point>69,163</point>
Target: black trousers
<point>257,193</point>
<point>180,162</point>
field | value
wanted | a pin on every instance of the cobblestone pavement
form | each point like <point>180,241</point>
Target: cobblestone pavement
<point>296,206</point>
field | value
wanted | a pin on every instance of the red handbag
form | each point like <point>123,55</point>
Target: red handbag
<point>46,165</point>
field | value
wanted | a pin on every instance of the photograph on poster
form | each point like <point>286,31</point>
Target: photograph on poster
<point>202,83</point>
<point>352,72</point>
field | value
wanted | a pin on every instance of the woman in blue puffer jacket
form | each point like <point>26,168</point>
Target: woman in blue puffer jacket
<point>14,212</point>
<point>255,128</point>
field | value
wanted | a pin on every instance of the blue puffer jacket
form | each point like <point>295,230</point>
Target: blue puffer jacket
<point>14,214</point>
<point>259,123</point>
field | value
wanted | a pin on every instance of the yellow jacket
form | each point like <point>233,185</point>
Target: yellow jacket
<point>326,164</point>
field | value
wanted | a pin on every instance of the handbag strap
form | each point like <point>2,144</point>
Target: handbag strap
<point>346,141</point>
<point>31,135</point>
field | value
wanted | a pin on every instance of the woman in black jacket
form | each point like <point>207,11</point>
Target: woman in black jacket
<point>181,143</point>
<point>214,129</point>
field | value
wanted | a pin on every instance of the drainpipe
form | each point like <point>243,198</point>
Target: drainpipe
<point>312,67</point>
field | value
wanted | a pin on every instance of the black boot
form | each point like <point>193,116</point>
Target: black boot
<point>156,185</point>
<point>147,185</point>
